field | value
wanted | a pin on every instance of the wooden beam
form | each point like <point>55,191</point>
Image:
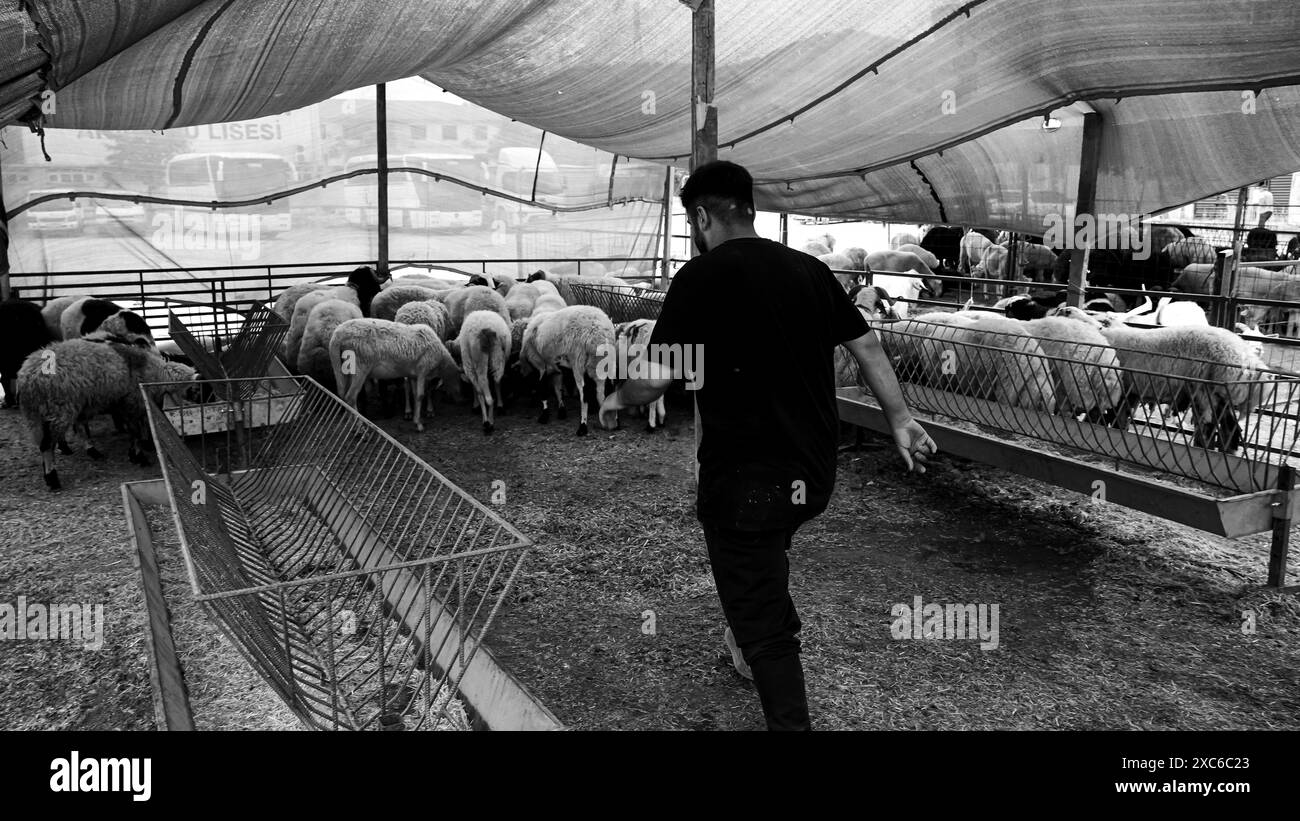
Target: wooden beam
<point>667,228</point>
<point>4,241</point>
<point>1225,311</point>
<point>171,701</point>
<point>704,124</point>
<point>1085,202</point>
<point>381,147</point>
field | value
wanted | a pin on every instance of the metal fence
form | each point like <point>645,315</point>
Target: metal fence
<point>357,580</point>
<point>1216,424</point>
<point>217,354</point>
<point>621,304</point>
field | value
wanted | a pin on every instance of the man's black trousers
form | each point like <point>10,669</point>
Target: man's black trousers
<point>752,573</point>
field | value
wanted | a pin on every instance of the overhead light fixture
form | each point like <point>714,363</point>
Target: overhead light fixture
<point>1051,124</point>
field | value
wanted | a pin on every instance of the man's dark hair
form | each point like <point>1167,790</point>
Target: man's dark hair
<point>724,189</point>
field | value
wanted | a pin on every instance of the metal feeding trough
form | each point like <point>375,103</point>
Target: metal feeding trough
<point>354,578</point>
<point>1187,453</point>
<point>619,304</point>
<point>228,363</point>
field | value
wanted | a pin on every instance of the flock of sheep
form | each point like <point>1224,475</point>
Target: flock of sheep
<point>77,357</point>
<point>490,333</point>
<point>1081,365</point>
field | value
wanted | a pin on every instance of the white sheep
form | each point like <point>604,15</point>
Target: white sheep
<point>88,314</point>
<point>484,343</point>
<point>1210,370</point>
<point>430,312</point>
<point>1085,366</point>
<point>904,238</point>
<point>973,246</point>
<point>522,298</point>
<point>930,260</point>
<point>949,352</point>
<point>70,381</point>
<point>388,301</point>
<point>462,302</point>
<point>570,337</point>
<point>314,350</point>
<point>632,345</point>
<point>52,313</point>
<point>874,302</point>
<point>298,324</point>
<point>380,349</point>
<point>886,267</point>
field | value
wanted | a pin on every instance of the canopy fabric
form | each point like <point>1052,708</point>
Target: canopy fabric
<point>919,111</point>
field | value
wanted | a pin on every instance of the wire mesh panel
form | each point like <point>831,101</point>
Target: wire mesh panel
<point>623,304</point>
<point>358,581</point>
<point>248,353</point>
<point>1211,422</point>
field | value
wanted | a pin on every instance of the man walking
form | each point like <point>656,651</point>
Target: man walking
<point>764,321</point>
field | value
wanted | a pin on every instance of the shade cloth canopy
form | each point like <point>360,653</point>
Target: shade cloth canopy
<point>923,111</point>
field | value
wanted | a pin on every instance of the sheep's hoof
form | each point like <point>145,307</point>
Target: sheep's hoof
<point>562,413</point>
<point>652,428</point>
<point>93,453</point>
<point>582,428</point>
<point>406,415</point>
<point>488,427</point>
<point>52,480</point>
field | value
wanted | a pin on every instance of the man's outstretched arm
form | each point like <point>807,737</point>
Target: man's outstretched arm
<point>636,392</point>
<point>914,444</point>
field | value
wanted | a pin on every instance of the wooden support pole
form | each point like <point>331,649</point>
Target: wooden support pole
<point>1085,202</point>
<point>4,241</point>
<point>1281,528</point>
<point>1225,313</point>
<point>704,122</point>
<point>785,228</point>
<point>667,228</point>
<point>381,148</point>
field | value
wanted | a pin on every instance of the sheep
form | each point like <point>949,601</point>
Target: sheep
<point>858,256</point>
<point>432,283</point>
<point>955,352</point>
<point>22,331</point>
<point>931,261</point>
<point>497,282</point>
<point>521,300</point>
<point>1087,369</point>
<point>838,263</point>
<point>1211,370</point>
<point>484,343</point>
<point>814,248</point>
<point>973,247</point>
<point>69,381</point>
<point>570,337</point>
<point>632,344</point>
<point>89,314</point>
<point>545,288</point>
<point>902,239</point>
<point>380,349</point>
<point>1185,251</point>
<point>430,312</point>
<point>298,324</point>
<point>886,267</point>
<point>314,350</point>
<point>52,313</point>
<point>1032,257</point>
<point>826,240</point>
<point>388,301</point>
<point>463,302</point>
<point>363,283</point>
<point>873,302</point>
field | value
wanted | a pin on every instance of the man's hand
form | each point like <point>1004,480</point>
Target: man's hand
<point>914,445</point>
<point>609,411</point>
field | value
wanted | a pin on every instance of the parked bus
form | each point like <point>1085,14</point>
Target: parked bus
<point>417,201</point>
<point>232,175</point>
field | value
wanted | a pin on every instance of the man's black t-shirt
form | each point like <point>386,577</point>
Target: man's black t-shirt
<point>766,320</point>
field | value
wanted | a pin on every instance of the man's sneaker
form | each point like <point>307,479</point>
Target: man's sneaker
<point>737,658</point>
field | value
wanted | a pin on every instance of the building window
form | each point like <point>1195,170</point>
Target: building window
<point>419,132</point>
<point>449,132</point>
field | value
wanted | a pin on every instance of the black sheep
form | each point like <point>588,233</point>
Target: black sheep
<point>367,284</point>
<point>22,331</point>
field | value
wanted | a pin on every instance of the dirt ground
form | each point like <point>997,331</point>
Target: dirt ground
<point>1108,619</point>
